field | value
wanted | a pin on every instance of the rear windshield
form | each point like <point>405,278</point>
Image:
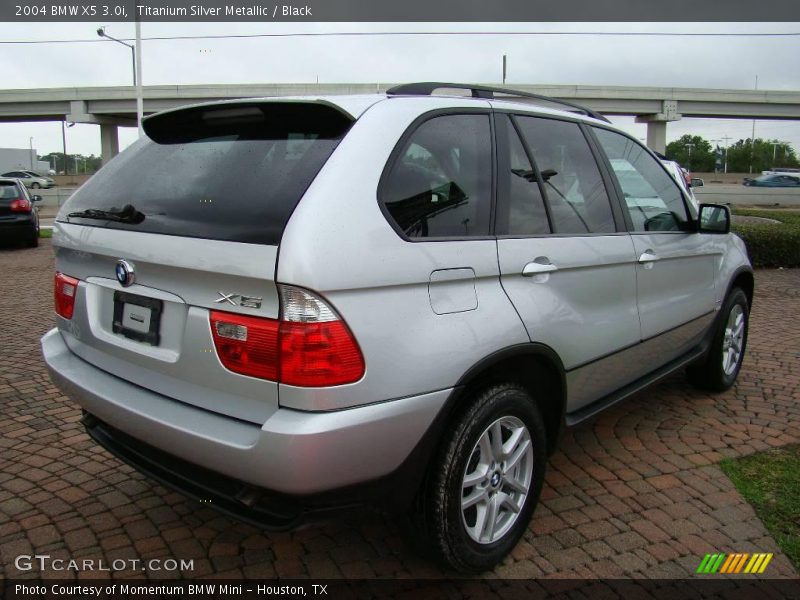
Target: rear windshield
<point>9,190</point>
<point>228,172</point>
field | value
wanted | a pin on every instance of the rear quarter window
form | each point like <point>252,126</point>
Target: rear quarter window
<point>439,183</point>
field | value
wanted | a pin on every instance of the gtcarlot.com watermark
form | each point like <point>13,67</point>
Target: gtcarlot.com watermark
<point>43,562</point>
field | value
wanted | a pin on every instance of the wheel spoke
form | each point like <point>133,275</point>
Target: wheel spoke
<point>507,501</point>
<point>475,477</point>
<point>485,446</point>
<point>514,484</point>
<point>480,521</point>
<point>478,495</point>
<point>491,518</point>
<point>522,448</point>
<point>512,441</point>
<point>497,441</point>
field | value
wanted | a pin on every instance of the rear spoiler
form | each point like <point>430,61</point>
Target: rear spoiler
<point>249,119</point>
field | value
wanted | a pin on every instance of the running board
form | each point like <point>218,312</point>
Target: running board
<point>587,412</point>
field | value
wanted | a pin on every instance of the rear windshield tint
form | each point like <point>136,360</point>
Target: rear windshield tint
<point>228,172</point>
<point>9,190</point>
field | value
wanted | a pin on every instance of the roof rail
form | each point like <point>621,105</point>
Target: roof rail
<point>482,91</point>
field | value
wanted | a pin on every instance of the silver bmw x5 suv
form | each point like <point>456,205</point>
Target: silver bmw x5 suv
<point>286,306</point>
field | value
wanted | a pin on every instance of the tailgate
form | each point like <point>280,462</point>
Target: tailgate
<point>196,210</point>
<point>181,363</point>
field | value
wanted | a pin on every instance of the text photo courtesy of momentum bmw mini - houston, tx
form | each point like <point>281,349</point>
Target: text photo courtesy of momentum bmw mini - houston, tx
<point>356,299</point>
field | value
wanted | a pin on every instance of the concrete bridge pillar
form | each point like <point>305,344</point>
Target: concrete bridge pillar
<point>109,142</point>
<point>657,125</point>
<point>657,136</point>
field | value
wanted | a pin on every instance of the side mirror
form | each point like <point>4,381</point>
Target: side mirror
<point>36,198</point>
<point>697,182</point>
<point>714,218</point>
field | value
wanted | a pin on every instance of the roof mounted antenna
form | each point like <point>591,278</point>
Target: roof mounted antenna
<point>482,91</point>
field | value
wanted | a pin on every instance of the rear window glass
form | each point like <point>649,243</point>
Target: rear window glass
<point>9,190</point>
<point>229,172</point>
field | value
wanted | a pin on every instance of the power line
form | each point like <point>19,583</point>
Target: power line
<point>423,33</point>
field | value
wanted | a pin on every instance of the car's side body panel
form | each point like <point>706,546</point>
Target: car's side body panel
<point>339,243</point>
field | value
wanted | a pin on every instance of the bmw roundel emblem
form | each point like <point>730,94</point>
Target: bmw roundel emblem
<point>125,273</point>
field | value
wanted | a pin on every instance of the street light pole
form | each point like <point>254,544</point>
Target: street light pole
<point>689,160</point>
<point>136,52</point>
<point>30,140</point>
<point>101,31</point>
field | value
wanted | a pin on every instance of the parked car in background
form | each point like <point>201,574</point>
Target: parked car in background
<point>677,172</point>
<point>774,181</point>
<point>19,218</point>
<point>31,179</point>
<point>399,299</point>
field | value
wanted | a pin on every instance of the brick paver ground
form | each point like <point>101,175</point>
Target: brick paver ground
<point>635,493</point>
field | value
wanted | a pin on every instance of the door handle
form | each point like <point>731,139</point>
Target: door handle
<point>538,267</point>
<point>648,256</point>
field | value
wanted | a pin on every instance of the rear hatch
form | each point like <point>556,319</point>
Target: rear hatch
<point>186,221</point>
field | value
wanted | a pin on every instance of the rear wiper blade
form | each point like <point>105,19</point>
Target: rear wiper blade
<point>127,214</point>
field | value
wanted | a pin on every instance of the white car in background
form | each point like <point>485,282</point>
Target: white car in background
<point>31,179</point>
<point>674,169</point>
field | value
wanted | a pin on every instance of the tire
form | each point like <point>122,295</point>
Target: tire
<point>32,241</point>
<point>724,359</point>
<point>35,186</point>
<point>454,533</point>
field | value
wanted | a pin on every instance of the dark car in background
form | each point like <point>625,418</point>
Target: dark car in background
<point>774,181</point>
<point>19,218</point>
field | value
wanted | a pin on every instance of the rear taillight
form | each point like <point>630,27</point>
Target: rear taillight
<point>310,346</point>
<point>20,205</point>
<point>64,291</point>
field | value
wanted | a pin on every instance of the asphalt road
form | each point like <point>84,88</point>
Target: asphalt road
<point>741,195</point>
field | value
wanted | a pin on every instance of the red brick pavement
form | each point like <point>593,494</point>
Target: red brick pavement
<point>637,493</point>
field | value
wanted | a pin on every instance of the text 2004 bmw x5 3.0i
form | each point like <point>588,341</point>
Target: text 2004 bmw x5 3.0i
<point>292,305</point>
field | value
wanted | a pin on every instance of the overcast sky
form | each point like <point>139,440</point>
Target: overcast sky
<point>704,62</point>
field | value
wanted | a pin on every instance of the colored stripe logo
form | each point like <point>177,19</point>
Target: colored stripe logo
<point>731,564</point>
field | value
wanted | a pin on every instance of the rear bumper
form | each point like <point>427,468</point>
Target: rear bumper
<point>293,453</point>
<point>18,225</point>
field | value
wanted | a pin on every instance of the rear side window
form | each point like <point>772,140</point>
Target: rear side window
<point>575,190</point>
<point>520,205</point>
<point>440,183</point>
<point>652,197</point>
<point>230,172</point>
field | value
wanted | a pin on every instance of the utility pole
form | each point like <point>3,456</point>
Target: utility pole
<point>505,64</point>
<point>775,145</point>
<point>727,139</point>
<point>689,160</point>
<point>64,142</point>
<point>753,137</point>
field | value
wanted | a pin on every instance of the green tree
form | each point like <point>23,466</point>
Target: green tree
<point>75,163</point>
<point>692,152</point>
<point>762,155</point>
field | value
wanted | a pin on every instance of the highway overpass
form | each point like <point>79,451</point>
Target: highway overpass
<point>112,107</point>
